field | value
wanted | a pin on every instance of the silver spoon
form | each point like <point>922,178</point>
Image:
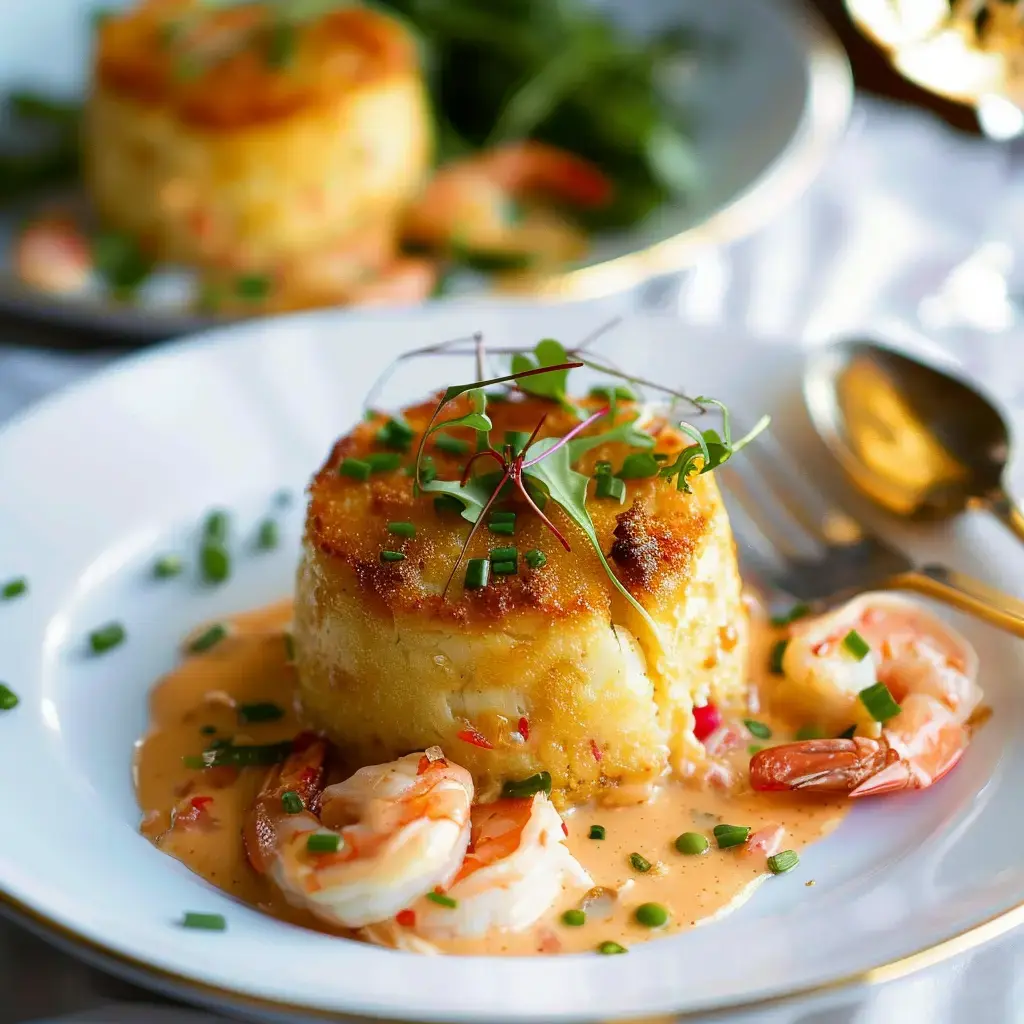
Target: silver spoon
<point>920,442</point>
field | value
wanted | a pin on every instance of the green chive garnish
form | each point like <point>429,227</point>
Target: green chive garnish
<point>611,948</point>
<point>856,645</point>
<point>402,529</point>
<point>693,844</point>
<point>775,661</point>
<point>651,915</point>
<point>204,922</point>
<point>392,556</point>
<point>248,714</point>
<point>252,287</point>
<point>208,638</point>
<point>809,732</point>
<point>447,503</point>
<point>267,537</point>
<point>535,559</point>
<point>167,566</point>
<point>610,487</point>
<point>539,783</point>
<point>383,462</point>
<point>780,863</point>
<point>292,802</point>
<point>847,734</point>
<point>428,469</point>
<point>8,698</point>
<point>603,468</point>
<point>248,756</point>
<point>731,835</point>
<point>504,568</point>
<point>357,469</point>
<point>396,434</point>
<point>106,638</point>
<point>280,45</point>
<point>574,918</point>
<point>638,465</point>
<point>758,729</point>
<point>597,832</point>
<point>503,517</point>
<point>451,445</point>
<point>215,562</point>
<point>504,554</point>
<point>506,527</point>
<point>216,526</point>
<point>323,842</point>
<point>639,862</point>
<point>441,900</point>
<point>754,748</point>
<point>879,702</point>
<point>13,588</point>
<point>798,611</point>
<point>478,573</point>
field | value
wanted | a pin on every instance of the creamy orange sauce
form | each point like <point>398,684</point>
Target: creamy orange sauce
<point>199,702</point>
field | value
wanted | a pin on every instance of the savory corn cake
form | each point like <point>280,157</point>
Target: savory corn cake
<point>246,136</point>
<point>532,660</point>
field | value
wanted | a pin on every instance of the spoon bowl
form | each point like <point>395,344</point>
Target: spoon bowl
<point>920,442</point>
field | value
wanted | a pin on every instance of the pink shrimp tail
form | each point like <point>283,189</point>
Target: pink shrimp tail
<point>536,167</point>
<point>828,766</point>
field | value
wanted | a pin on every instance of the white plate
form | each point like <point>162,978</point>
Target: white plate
<point>765,117</point>
<point>98,480</point>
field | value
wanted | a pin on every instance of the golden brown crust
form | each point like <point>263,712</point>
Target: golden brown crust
<point>651,539</point>
<point>343,50</point>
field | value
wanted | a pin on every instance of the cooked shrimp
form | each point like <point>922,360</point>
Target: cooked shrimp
<point>403,829</point>
<point>52,254</point>
<point>929,670</point>
<point>473,203</point>
<point>517,867</point>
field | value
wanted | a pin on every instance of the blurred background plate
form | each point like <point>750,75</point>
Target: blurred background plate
<point>767,106</point>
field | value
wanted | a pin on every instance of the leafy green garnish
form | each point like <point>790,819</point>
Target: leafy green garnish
<point>545,385</point>
<point>624,433</point>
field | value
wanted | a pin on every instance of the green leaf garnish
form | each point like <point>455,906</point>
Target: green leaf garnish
<point>545,385</point>
<point>624,433</point>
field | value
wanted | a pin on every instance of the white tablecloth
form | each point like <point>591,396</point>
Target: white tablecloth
<point>901,202</point>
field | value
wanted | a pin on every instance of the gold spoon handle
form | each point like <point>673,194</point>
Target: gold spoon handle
<point>965,593</point>
<point>1005,509</point>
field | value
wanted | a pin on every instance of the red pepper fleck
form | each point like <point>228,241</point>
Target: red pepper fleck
<point>565,828</point>
<point>820,650</point>
<point>705,721</point>
<point>478,740</point>
<point>309,776</point>
<point>423,766</point>
<point>595,750</point>
<point>524,728</point>
<point>200,802</point>
<point>406,918</point>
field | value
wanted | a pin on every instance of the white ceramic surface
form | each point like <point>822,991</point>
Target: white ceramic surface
<point>765,116</point>
<point>100,479</point>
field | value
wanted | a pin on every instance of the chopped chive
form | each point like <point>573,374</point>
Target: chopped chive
<point>451,445</point>
<point>252,287</point>
<point>731,835</point>
<point>383,462</point>
<point>503,517</point>
<point>392,556</point>
<point>107,637</point>
<point>539,783</point>
<point>611,948</point>
<point>610,487</point>
<point>215,562</point>
<point>289,646</point>
<point>478,573</point>
<point>505,527</point>
<point>280,45</point>
<point>441,900</point>
<point>638,466</point>
<point>613,392</point>
<point>504,554</point>
<point>13,588</point>
<point>574,918</point>
<point>204,922</point>
<point>754,748</point>
<point>357,469</point>
<point>597,832</point>
<point>603,468</point>
<point>267,537</point>
<point>693,844</point>
<point>292,802</point>
<point>879,702</point>
<point>781,862</point>
<point>504,568</point>
<point>323,842</point>
<point>246,756</point>
<point>535,559</point>
<point>208,638</point>
<point>216,526</point>
<point>8,698</point>
<point>651,915</point>
<point>758,729</point>
<point>167,566</point>
<point>798,611</point>
<point>639,862</point>
<point>847,734</point>
<point>264,711</point>
<point>775,660</point>
<point>208,730</point>
<point>402,529</point>
<point>517,439</point>
<point>396,434</point>
<point>809,732</point>
<point>428,469</point>
<point>661,456</point>
<point>447,503</point>
<point>856,645</point>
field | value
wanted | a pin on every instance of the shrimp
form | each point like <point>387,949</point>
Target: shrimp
<point>929,670</point>
<point>516,868</point>
<point>52,254</point>
<point>471,203</point>
<point>403,830</point>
